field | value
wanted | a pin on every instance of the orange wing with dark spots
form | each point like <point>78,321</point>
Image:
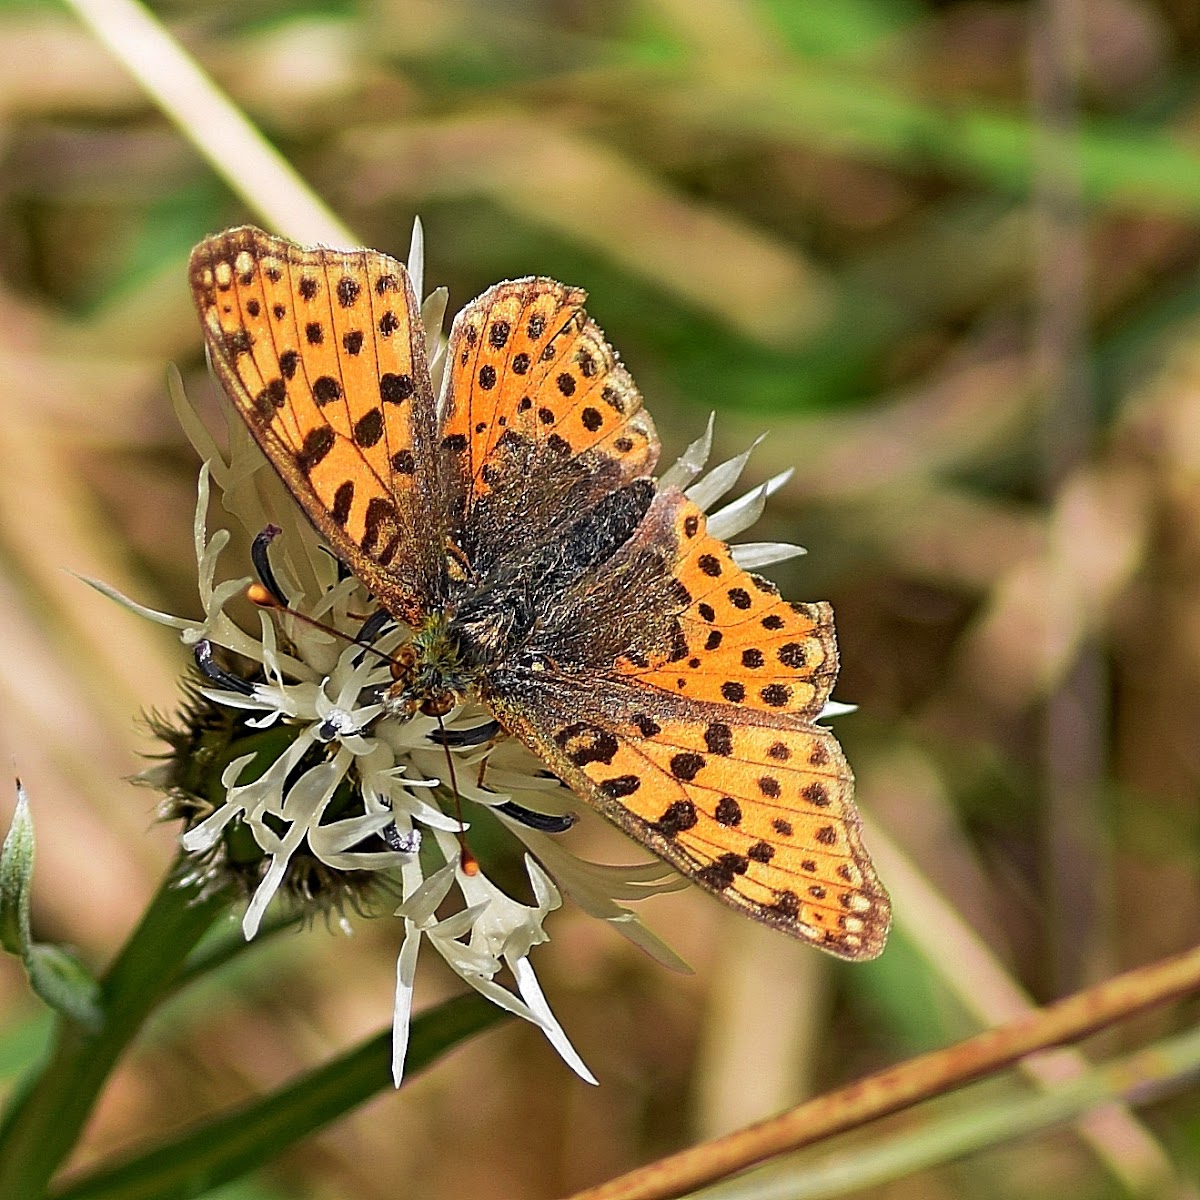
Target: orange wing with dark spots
<point>323,352</point>
<point>529,370</point>
<point>673,690</point>
<point>754,806</point>
<point>677,694</point>
<point>736,641</point>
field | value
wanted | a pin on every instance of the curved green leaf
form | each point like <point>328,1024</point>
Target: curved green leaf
<point>244,1139</point>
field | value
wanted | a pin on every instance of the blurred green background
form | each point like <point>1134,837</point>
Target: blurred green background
<point>946,253</point>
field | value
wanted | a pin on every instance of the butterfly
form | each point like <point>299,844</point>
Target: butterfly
<point>514,525</point>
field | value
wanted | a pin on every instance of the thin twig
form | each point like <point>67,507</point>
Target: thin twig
<point>1144,1077</point>
<point>967,967</point>
<point>918,1079</point>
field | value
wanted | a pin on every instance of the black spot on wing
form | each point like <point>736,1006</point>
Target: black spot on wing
<point>317,444</point>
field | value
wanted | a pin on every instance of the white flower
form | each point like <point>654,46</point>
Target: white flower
<point>317,771</point>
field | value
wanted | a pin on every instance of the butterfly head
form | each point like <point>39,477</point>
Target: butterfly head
<point>431,672</point>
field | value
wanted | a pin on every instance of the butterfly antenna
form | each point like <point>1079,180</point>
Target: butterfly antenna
<point>468,861</point>
<point>263,597</point>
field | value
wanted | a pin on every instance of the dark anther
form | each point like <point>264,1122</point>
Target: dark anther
<point>331,728</point>
<point>542,822</point>
<point>262,562</point>
<point>371,628</point>
<point>475,736</point>
<point>203,654</point>
<point>343,571</point>
<point>374,625</point>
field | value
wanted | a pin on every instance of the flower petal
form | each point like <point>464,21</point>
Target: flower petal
<point>720,479</point>
<point>531,993</point>
<point>691,462</point>
<point>151,614</point>
<point>406,973</point>
<point>751,555</point>
<point>420,906</point>
<point>739,515</point>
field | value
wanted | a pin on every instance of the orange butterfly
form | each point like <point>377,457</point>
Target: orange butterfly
<point>521,537</point>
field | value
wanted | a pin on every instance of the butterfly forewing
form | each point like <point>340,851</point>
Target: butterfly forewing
<point>629,698</point>
<point>323,353</point>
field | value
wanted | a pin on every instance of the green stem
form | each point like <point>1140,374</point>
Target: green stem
<point>45,1119</point>
<point>211,956</point>
<point>237,1142</point>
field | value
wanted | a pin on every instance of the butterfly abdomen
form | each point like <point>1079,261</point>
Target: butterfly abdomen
<point>498,615</point>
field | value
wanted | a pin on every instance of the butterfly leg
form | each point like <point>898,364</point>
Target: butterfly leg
<point>458,563</point>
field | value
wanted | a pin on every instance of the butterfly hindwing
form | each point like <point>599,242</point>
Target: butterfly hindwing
<point>754,806</point>
<point>735,641</point>
<point>323,352</point>
<point>524,358</point>
<point>540,420</point>
<point>622,699</point>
